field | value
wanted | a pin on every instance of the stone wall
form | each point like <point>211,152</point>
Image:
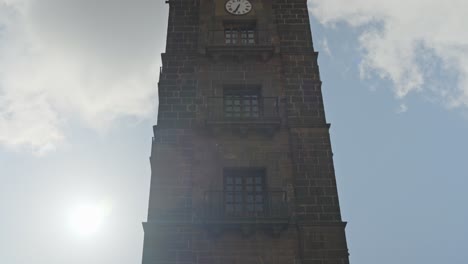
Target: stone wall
<point>178,243</point>
<point>188,155</point>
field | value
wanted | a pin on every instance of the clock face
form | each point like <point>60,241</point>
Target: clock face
<point>238,7</point>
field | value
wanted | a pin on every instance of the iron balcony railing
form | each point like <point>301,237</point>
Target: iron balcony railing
<point>232,205</point>
<point>239,38</point>
<point>248,109</point>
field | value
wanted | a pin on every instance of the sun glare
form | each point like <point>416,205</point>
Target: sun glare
<point>87,219</point>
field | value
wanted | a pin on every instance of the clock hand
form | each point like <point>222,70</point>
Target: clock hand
<point>237,8</point>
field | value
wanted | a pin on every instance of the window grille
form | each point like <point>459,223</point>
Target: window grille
<point>239,35</point>
<point>244,191</point>
<point>242,103</point>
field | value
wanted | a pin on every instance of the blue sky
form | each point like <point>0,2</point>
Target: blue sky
<point>72,132</point>
<point>401,176</point>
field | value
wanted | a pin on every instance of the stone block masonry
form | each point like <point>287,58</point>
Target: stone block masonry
<point>191,152</point>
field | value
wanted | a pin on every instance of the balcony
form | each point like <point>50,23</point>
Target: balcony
<point>234,208</point>
<point>244,111</point>
<point>240,43</point>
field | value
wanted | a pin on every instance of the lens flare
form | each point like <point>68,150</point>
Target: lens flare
<point>87,219</point>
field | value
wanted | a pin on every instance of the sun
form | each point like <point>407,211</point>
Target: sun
<point>87,219</point>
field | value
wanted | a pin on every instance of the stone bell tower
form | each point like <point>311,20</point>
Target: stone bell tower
<point>242,168</point>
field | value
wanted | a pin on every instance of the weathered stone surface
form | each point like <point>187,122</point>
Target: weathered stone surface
<point>189,153</point>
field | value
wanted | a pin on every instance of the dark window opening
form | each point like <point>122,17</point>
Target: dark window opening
<point>242,103</point>
<point>239,34</point>
<point>244,192</point>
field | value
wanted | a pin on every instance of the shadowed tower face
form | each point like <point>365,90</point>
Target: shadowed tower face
<point>242,168</point>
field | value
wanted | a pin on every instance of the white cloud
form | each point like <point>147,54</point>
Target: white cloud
<point>91,61</point>
<point>326,47</point>
<point>412,43</point>
<point>402,108</point>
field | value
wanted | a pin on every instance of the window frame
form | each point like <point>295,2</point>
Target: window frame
<point>245,192</point>
<point>240,34</point>
<point>242,102</point>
